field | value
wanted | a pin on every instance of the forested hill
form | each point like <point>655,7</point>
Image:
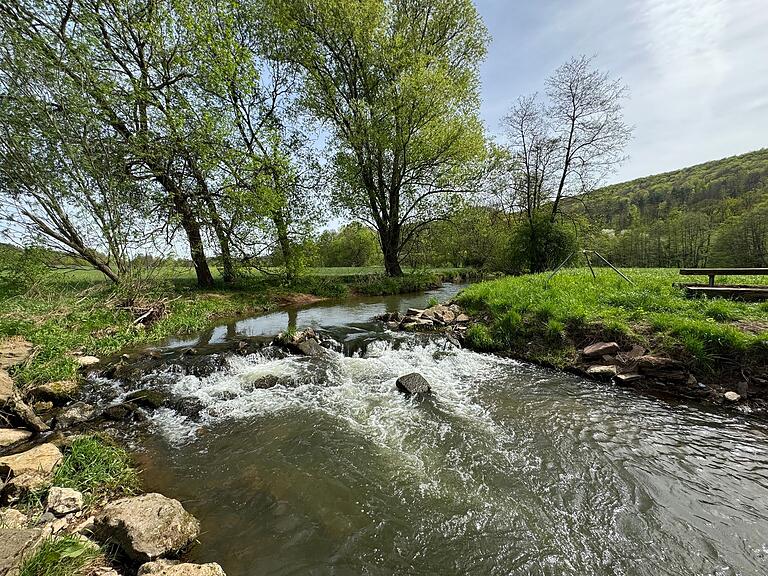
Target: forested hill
<point>710,214</point>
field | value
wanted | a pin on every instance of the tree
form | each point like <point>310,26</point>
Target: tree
<point>563,146</point>
<point>396,83</point>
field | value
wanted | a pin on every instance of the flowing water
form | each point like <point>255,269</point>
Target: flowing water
<point>508,469</point>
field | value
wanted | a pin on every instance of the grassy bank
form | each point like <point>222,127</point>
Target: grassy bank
<point>549,321</point>
<point>66,314</point>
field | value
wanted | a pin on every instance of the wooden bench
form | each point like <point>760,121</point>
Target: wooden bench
<point>726,291</point>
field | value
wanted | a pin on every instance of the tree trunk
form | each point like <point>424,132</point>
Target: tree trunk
<point>195,239</point>
<point>289,257</point>
<point>390,244</point>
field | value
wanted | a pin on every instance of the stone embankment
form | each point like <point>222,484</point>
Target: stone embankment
<point>149,531</point>
<point>632,365</point>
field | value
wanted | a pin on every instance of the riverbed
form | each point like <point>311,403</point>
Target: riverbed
<point>508,468</point>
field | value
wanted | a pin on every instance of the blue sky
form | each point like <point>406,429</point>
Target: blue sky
<point>697,69</point>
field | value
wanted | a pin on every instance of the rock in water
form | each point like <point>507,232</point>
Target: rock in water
<point>76,413</point>
<point>600,349</point>
<point>732,396</point>
<point>14,545</point>
<point>62,501</point>
<point>147,527</point>
<point>169,568</point>
<point>56,392</point>
<point>413,383</point>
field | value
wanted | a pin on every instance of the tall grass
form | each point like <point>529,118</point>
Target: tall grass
<point>61,556</point>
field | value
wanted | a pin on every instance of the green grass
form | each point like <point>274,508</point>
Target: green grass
<point>61,556</point>
<point>97,468</point>
<point>547,320</point>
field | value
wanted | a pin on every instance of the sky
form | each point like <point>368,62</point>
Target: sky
<point>697,70</point>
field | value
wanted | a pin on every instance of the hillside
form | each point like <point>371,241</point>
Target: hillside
<point>714,213</point>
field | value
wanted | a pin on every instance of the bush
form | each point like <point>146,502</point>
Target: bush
<point>540,244</point>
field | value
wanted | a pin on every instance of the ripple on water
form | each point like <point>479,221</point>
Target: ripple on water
<point>508,469</point>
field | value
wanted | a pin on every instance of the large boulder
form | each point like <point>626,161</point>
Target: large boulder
<point>147,527</point>
<point>413,383</point>
<point>170,568</point>
<point>9,436</point>
<point>63,501</point>
<point>14,545</point>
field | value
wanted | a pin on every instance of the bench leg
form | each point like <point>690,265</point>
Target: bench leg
<point>711,280</point>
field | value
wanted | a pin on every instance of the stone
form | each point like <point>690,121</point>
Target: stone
<point>662,368</point>
<point>732,396</point>
<point>462,319</point>
<point>310,347</point>
<point>742,388</point>
<point>41,459</point>
<point>76,413</point>
<point>413,312</point>
<point>86,361</point>
<point>56,392</point>
<point>105,571</point>
<point>7,388</point>
<point>630,378</point>
<point>9,436</point>
<point>118,412</point>
<point>635,352</point>
<point>42,407</point>
<point>63,501</point>
<point>413,383</point>
<point>600,349</point>
<point>602,371</point>
<point>11,518</point>
<point>86,526</point>
<point>147,527</point>
<point>169,568</point>
<point>14,351</point>
<point>152,399</point>
<point>14,545</point>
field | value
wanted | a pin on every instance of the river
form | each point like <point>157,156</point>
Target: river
<point>509,468</point>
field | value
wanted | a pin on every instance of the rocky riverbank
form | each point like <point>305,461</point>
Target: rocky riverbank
<point>628,364</point>
<point>44,525</point>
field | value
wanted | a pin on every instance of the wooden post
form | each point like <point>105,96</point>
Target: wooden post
<point>711,279</point>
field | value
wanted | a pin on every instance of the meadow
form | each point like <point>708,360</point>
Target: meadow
<point>548,320</point>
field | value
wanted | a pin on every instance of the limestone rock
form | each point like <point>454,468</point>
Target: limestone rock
<point>414,312</point>
<point>630,378</point>
<point>14,545</point>
<point>76,413</point>
<point>62,501</point>
<point>10,436</point>
<point>462,318</point>
<point>732,396</point>
<point>14,351</point>
<point>85,361</point>
<point>600,349</point>
<point>169,568</point>
<point>39,460</point>
<point>147,527</point>
<point>11,518</point>
<point>7,388</point>
<point>602,371</point>
<point>56,392</point>
<point>662,368</point>
<point>413,383</point>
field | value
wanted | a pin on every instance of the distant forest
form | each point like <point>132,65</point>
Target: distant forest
<point>712,214</point>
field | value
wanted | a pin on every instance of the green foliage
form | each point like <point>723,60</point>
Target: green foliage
<point>432,302</point>
<point>61,556</point>
<point>23,270</point>
<point>353,245</point>
<point>540,244</point>
<point>388,285</point>
<point>97,468</point>
<point>479,338</point>
<point>710,214</point>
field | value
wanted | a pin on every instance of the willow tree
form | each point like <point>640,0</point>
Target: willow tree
<point>396,84</point>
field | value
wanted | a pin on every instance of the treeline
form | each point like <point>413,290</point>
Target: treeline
<point>712,214</point>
